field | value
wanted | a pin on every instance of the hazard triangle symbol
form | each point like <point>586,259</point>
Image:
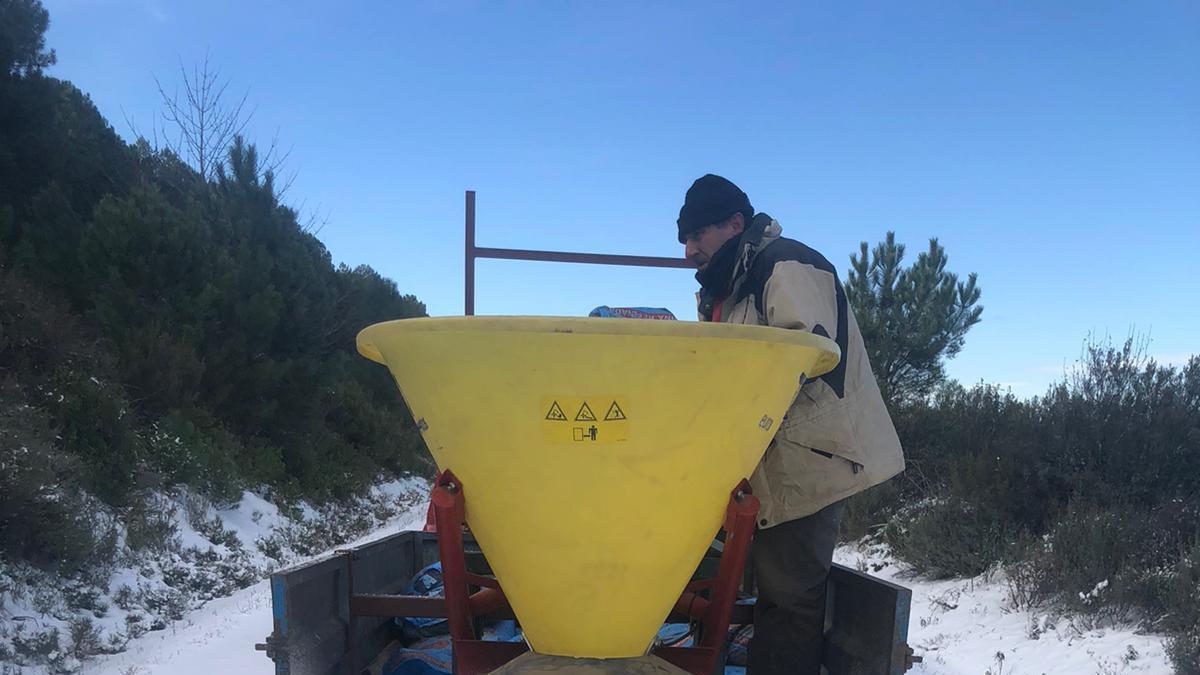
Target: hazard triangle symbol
<point>556,413</point>
<point>614,413</point>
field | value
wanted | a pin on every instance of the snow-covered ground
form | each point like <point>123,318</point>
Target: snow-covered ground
<point>965,626</point>
<point>220,637</point>
<point>969,626</point>
<point>959,627</point>
<point>198,595</point>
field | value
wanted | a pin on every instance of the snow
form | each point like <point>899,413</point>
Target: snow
<point>252,518</point>
<point>220,636</point>
<point>959,627</point>
<point>202,582</point>
<point>965,626</point>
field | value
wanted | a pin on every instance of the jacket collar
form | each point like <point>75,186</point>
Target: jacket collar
<point>763,230</point>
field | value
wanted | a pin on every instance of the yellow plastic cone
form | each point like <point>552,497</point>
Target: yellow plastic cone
<point>596,455</point>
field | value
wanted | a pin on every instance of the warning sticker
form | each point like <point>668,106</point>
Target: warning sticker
<point>614,413</point>
<point>585,427</point>
<point>585,414</point>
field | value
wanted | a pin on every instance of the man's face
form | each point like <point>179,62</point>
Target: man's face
<point>701,245</point>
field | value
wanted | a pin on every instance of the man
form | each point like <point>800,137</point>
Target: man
<point>836,439</point>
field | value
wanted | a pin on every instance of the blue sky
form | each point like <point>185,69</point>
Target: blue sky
<point>1054,148</point>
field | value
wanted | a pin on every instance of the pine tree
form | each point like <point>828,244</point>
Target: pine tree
<point>912,319</point>
<point>23,26</point>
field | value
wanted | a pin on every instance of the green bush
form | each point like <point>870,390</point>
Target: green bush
<point>150,524</point>
<point>187,452</point>
<point>94,422</point>
<point>947,538</point>
<point>134,627</point>
<point>1095,485</point>
<point>39,646</point>
<point>1122,431</point>
<point>869,511</point>
<point>85,638</point>
<point>44,516</point>
<point>1178,603</point>
<point>1092,562</point>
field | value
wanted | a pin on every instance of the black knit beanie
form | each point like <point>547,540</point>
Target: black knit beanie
<point>711,199</point>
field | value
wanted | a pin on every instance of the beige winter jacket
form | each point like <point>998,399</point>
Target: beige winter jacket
<point>837,438</point>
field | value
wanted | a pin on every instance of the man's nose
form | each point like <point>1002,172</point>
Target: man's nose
<point>690,249</point>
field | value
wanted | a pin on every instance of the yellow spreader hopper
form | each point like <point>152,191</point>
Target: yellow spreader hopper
<point>597,455</point>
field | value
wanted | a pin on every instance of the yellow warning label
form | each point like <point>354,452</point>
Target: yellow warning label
<point>584,427</point>
<point>585,414</point>
<point>556,413</point>
<point>614,413</point>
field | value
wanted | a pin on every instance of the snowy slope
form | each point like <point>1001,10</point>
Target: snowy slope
<point>217,638</point>
<point>192,596</point>
<point>960,627</point>
<point>220,637</point>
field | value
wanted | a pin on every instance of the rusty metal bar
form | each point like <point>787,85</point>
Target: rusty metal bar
<point>397,605</point>
<point>692,606</point>
<point>482,581</point>
<point>470,254</point>
<point>586,258</point>
<point>473,252</point>
<point>739,529</point>
<point>741,614</point>
<point>448,509</point>
<point>486,602</point>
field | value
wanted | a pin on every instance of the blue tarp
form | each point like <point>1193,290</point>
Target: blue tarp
<point>428,647</point>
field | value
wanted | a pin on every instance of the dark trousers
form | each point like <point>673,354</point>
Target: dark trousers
<point>791,566</point>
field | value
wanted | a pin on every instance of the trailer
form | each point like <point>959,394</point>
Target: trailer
<point>334,615</point>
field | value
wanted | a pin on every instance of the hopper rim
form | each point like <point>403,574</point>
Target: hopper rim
<point>605,326</point>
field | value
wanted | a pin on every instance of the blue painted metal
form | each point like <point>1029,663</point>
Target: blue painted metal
<point>279,615</point>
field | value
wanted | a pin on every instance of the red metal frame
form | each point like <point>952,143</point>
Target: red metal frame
<point>473,252</point>
<point>473,656</point>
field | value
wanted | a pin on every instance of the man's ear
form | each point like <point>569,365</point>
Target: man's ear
<point>738,221</point>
